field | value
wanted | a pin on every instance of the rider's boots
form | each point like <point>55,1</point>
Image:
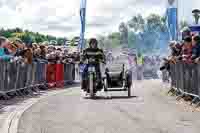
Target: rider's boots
<point>83,85</point>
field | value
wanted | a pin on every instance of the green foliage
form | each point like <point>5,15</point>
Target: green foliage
<point>147,35</point>
<point>183,24</point>
<point>153,23</point>
<point>28,36</point>
<point>114,35</point>
<point>61,41</point>
<point>132,38</point>
<point>137,23</point>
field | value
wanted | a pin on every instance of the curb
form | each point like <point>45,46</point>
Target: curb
<point>11,123</point>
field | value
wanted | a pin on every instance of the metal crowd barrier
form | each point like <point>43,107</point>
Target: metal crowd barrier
<point>165,76</point>
<point>185,77</point>
<point>69,73</point>
<point>16,77</point>
<point>77,73</point>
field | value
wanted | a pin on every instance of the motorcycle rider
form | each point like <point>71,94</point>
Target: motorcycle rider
<point>96,56</point>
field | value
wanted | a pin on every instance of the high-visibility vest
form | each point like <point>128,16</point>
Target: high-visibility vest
<point>140,60</point>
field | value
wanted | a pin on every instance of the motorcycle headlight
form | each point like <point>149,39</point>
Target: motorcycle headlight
<point>91,69</point>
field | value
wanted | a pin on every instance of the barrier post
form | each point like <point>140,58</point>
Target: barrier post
<point>51,75</point>
<point>59,75</point>
<point>2,76</point>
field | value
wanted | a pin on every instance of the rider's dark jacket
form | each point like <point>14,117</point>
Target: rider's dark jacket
<point>99,57</point>
<point>96,54</point>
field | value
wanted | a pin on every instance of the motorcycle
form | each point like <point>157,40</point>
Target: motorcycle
<point>92,78</point>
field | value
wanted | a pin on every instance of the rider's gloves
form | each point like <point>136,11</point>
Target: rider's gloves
<point>91,60</point>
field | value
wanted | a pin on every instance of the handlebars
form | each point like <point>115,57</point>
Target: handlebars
<point>93,61</point>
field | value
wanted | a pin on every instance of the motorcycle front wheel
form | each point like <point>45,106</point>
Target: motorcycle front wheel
<point>91,85</point>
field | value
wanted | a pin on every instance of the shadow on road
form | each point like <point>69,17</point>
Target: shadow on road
<point>15,100</point>
<point>112,97</point>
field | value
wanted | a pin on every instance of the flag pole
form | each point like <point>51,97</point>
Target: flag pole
<point>177,16</point>
<point>83,19</point>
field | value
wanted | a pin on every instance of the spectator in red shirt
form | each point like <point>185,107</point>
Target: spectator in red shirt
<point>187,50</point>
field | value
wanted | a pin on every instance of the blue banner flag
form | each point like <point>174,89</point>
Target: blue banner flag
<point>83,4</point>
<point>172,18</point>
<point>172,22</point>
<point>82,18</point>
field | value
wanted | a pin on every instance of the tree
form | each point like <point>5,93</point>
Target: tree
<point>147,35</point>
<point>154,22</point>
<point>61,41</point>
<point>6,33</point>
<point>123,29</point>
<point>137,23</point>
<point>49,37</point>
<point>115,39</point>
<point>27,38</point>
<point>110,41</point>
<point>18,30</point>
<point>114,35</point>
<point>131,39</point>
<point>152,32</point>
<point>101,40</point>
<point>39,39</point>
<point>183,24</point>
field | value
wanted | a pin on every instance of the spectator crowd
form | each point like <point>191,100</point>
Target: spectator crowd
<point>187,51</point>
<point>28,53</point>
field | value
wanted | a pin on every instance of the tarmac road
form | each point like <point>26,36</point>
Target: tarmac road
<point>150,111</point>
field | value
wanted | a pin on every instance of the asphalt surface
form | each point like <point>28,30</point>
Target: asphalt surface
<point>150,110</point>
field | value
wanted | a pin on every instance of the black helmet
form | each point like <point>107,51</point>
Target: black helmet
<point>93,41</point>
<point>196,38</point>
<point>186,32</point>
<point>188,39</point>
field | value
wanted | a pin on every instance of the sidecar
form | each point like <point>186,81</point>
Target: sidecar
<point>117,78</point>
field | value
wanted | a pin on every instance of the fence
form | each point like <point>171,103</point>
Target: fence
<point>15,76</point>
<point>165,76</point>
<point>185,78</point>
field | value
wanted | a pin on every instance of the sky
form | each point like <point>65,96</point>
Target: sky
<point>61,17</point>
